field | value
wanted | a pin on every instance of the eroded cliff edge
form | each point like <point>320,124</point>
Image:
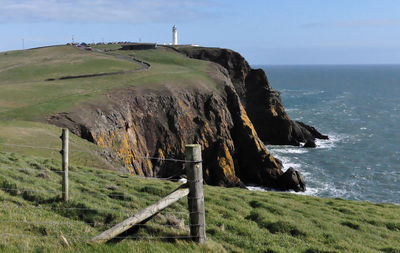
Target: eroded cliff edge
<point>134,123</point>
<point>263,104</point>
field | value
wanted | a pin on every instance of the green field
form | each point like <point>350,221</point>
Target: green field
<point>43,140</point>
<point>33,219</point>
<point>25,95</point>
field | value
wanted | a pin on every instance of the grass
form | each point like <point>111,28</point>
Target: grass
<point>25,95</point>
<point>32,217</point>
<point>237,220</point>
<point>43,140</point>
<point>54,62</point>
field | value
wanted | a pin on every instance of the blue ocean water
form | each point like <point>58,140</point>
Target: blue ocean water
<point>358,106</point>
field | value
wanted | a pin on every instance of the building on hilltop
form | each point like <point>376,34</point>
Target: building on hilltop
<point>174,35</point>
<point>175,38</point>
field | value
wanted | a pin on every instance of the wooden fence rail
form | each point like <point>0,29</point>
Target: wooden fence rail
<point>193,189</point>
<point>141,216</point>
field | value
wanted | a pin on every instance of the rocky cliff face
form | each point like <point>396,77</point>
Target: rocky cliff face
<point>263,104</point>
<point>135,123</point>
<point>139,124</point>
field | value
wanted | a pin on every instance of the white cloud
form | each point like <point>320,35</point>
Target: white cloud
<point>116,11</point>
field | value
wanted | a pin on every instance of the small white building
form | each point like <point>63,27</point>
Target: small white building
<point>174,35</point>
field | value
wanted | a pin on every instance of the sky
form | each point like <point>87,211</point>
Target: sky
<point>263,31</point>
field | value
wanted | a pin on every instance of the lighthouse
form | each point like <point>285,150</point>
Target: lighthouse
<point>174,35</point>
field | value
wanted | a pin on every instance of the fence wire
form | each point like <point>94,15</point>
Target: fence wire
<point>98,173</point>
<point>155,237</point>
<point>123,211</point>
<point>91,152</point>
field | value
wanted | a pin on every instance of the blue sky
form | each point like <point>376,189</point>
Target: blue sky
<point>264,32</point>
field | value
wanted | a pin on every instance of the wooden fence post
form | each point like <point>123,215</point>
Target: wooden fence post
<point>194,174</point>
<point>64,153</point>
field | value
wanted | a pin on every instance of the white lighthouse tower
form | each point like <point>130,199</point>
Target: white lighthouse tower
<point>174,35</point>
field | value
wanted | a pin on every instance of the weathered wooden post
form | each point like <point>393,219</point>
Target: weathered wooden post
<point>194,174</point>
<point>64,153</point>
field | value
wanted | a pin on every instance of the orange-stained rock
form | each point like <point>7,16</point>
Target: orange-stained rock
<point>135,127</point>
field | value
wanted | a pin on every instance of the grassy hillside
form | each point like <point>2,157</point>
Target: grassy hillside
<point>43,140</point>
<point>25,95</point>
<point>33,218</point>
<point>53,62</point>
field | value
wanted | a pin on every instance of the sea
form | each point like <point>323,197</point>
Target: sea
<point>358,107</point>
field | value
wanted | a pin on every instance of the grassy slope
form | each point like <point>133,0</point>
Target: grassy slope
<point>26,96</point>
<point>21,136</point>
<point>53,62</point>
<point>237,220</point>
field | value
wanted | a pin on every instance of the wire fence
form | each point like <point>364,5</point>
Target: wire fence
<point>174,223</point>
<point>86,238</point>
<point>91,152</point>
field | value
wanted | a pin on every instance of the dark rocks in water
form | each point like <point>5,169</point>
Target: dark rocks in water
<point>313,131</point>
<point>310,144</point>
<point>292,180</point>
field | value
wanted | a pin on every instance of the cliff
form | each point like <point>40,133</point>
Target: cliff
<point>263,104</point>
<point>231,122</point>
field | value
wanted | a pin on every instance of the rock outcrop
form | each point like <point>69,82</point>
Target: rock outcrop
<point>262,103</point>
<point>231,125</point>
<point>291,179</point>
<point>138,124</point>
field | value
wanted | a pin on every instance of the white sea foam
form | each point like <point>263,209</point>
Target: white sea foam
<point>257,188</point>
<point>291,156</point>
<point>325,144</point>
<point>291,90</point>
<point>291,109</point>
<point>286,161</point>
<point>313,92</point>
<point>325,189</point>
<point>343,95</point>
<point>314,187</point>
<point>331,143</point>
<point>303,92</point>
<point>309,191</point>
<point>289,150</point>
